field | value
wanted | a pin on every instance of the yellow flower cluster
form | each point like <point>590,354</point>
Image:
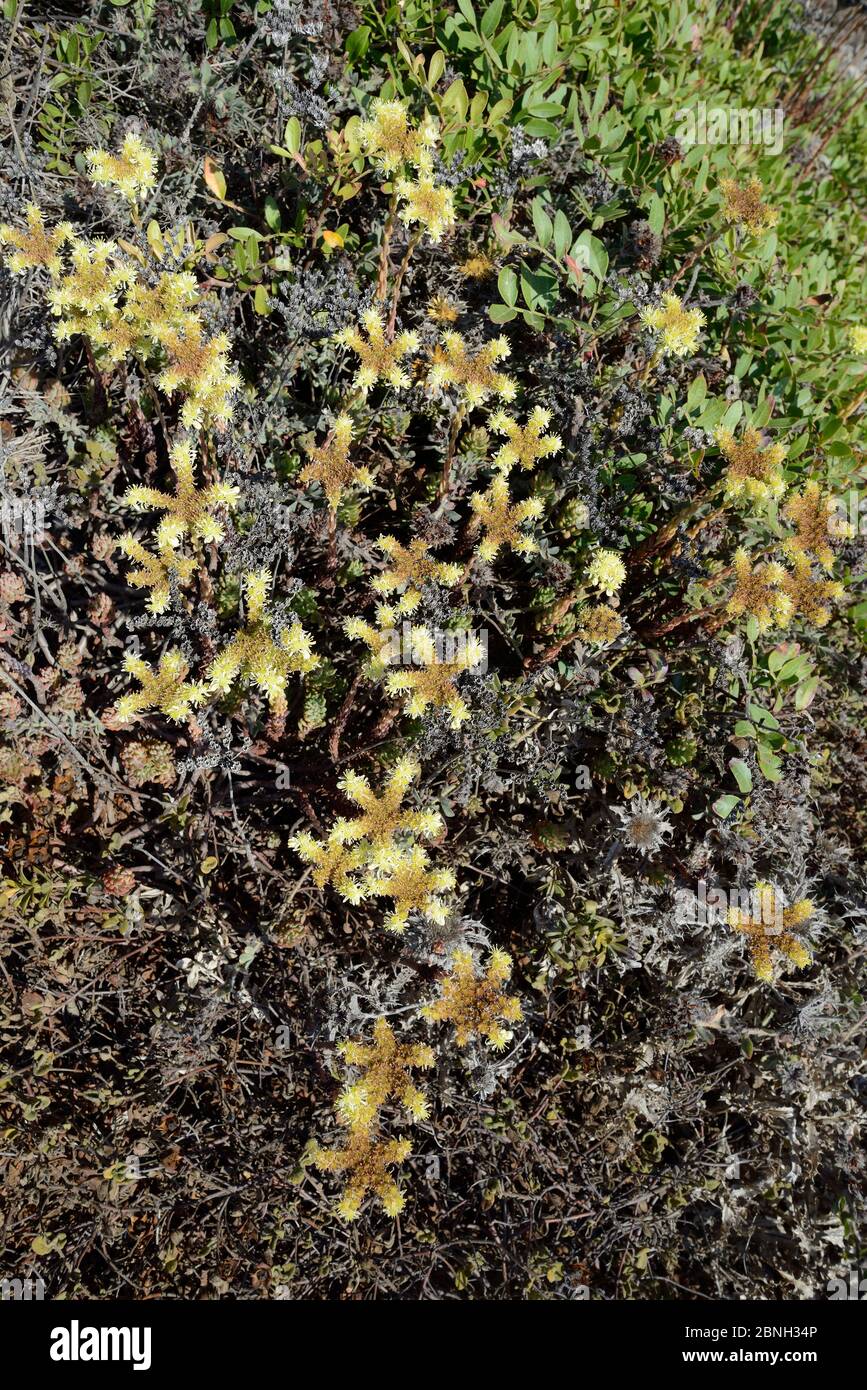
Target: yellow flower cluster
<point>769,923</point>
<point>502,520</point>
<point>35,248</point>
<point>263,652</point>
<point>476,374</point>
<point>379,358</point>
<point>599,624</point>
<point>148,313</point>
<point>753,472</point>
<point>382,819</point>
<point>527,444</point>
<point>606,572</point>
<point>417,663</point>
<point>770,592</point>
<point>389,137</point>
<point>123,308</point>
<point>132,172</point>
<point>432,680</point>
<point>155,572</point>
<point>410,567</point>
<point>437,664</point>
<point>430,204</point>
<point>391,140</point>
<point>366,1160</point>
<point>198,366</point>
<point>376,853</point>
<point>858,337</point>
<point>678,328</point>
<point>166,689</point>
<point>477,1005</point>
<point>477,267</point>
<point>774,595</point>
<point>332,863</point>
<point>759,593</point>
<point>381,848</point>
<point>189,511</point>
<point>744,206</point>
<point>811,513</point>
<point>382,640</point>
<point>331,466</point>
<point>414,887</point>
<point>385,1065</point>
<point>809,596</point>
<point>86,296</point>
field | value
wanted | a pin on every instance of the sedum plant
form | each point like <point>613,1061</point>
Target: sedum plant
<point>476,1004</point>
<point>189,511</point>
<point>386,1066</point>
<point>366,1160</point>
<point>380,359</point>
<point>769,926</point>
<point>165,688</point>
<point>264,652</point>
<point>502,520</point>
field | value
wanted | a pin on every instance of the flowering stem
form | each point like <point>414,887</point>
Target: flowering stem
<point>398,281</point>
<point>342,716</point>
<point>853,405</point>
<point>331,563</point>
<point>533,663</point>
<point>694,256</point>
<point>706,520</point>
<point>457,421</point>
<point>385,723</point>
<point>641,376</point>
<point>670,545</point>
<point>694,615</point>
<point>100,399</point>
<point>666,533</point>
<point>154,395</point>
<point>467,570</point>
<point>382,278</point>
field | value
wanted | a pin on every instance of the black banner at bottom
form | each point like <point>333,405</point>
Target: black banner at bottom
<point>60,1340</point>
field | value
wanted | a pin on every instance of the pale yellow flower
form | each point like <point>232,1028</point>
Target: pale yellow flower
<point>677,327</point>
<point>132,172</point>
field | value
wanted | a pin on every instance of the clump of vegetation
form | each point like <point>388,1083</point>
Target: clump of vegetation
<point>432,616</point>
